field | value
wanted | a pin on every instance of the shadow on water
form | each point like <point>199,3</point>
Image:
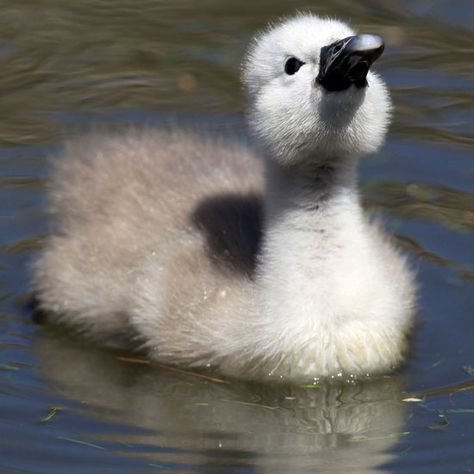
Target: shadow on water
<point>68,407</point>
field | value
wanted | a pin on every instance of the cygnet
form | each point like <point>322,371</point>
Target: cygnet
<point>259,264</point>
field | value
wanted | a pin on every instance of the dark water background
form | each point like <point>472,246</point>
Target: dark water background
<point>66,407</point>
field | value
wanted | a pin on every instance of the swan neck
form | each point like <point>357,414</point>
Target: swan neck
<point>310,187</point>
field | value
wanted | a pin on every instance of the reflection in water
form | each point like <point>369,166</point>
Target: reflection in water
<point>450,207</point>
<point>334,427</point>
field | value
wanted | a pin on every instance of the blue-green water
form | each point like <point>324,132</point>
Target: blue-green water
<point>68,407</point>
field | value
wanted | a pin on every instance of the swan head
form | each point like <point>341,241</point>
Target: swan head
<point>312,93</point>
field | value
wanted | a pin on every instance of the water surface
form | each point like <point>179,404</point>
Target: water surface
<point>68,407</point>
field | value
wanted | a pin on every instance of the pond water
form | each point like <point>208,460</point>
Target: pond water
<point>68,407</point>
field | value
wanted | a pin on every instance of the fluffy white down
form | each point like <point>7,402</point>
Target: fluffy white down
<point>204,254</point>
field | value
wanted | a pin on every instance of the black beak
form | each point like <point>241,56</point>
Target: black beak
<point>347,61</point>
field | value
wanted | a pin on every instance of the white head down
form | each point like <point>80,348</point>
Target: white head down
<point>312,95</point>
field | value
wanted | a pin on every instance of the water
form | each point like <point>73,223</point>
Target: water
<point>68,407</point>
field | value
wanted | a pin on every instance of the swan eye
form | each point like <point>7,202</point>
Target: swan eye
<point>293,65</point>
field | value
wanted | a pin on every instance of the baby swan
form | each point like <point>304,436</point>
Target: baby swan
<point>203,255</point>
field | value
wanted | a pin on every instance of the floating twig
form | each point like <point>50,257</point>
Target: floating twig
<point>52,413</point>
<point>83,443</point>
<point>139,360</point>
<point>135,360</point>
<point>193,374</point>
<point>251,404</point>
<point>8,367</point>
<point>460,387</point>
